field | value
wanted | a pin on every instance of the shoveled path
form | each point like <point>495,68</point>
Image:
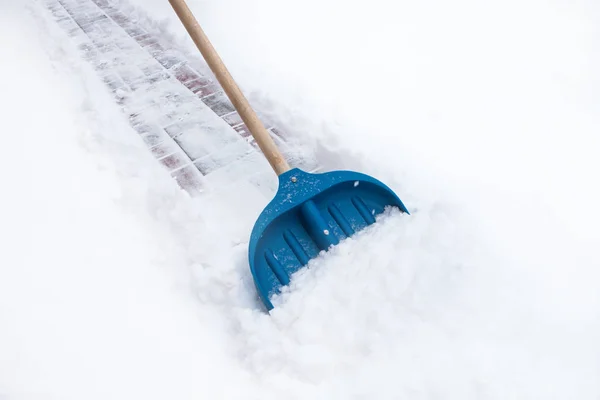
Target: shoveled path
<point>179,111</point>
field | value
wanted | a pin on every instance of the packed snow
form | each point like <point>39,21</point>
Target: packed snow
<point>484,118</point>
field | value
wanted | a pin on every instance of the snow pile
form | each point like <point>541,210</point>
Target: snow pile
<point>114,284</point>
<point>424,306</point>
<point>91,301</point>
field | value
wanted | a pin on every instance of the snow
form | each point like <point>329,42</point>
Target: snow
<point>462,92</point>
<point>116,284</point>
<point>91,301</point>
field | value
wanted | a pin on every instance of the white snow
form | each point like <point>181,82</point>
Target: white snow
<point>92,305</point>
<point>482,116</point>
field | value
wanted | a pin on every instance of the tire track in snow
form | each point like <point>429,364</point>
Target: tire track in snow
<point>179,110</point>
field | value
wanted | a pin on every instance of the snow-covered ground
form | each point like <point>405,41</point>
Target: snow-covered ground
<point>89,300</point>
<point>484,118</point>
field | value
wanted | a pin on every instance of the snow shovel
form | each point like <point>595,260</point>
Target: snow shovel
<point>310,212</point>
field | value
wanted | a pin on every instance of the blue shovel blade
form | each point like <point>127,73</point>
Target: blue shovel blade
<point>311,213</point>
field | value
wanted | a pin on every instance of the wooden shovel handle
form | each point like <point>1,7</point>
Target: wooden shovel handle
<point>257,129</point>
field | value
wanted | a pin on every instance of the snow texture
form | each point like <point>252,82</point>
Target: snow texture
<point>115,283</point>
